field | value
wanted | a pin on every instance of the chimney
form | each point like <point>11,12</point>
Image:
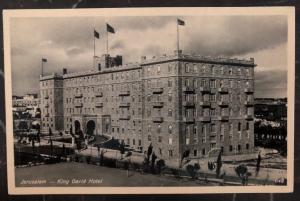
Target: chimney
<point>65,71</point>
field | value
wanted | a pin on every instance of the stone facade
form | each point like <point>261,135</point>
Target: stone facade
<point>176,103</point>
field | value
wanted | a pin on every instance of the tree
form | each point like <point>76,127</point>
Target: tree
<point>160,164</point>
<point>193,169</point>
<point>32,144</point>
<point>243,174</point>
<point>258,164</point>
<point>122,148</point>
<point>149,151</point>
<point>50,132</point>
<point>23,125</point>
<point>51,147</point>
<point>219,164</point>
<point>71,131</point>
<point>64,150</point>
<point>184,155</point>
<point>153,158</point>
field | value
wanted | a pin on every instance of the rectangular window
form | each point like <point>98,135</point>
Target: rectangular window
<point>170,141</point>
<point>212,83</point>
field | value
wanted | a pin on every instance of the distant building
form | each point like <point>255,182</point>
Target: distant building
<point>176,103</point>
<point>271,108</point>
<point>29,100</point>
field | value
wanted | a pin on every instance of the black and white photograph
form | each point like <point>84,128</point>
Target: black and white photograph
<point>141,100</point>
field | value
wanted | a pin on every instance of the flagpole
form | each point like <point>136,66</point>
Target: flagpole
<point>106,41</point>
<point>42,68</point>
<point>177,36</point>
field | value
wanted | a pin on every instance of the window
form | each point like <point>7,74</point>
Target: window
<point>170,141</point>
<point>213,128</point>
<point>239,126</point>
<point>170,153</point>
<point>203,152</point>
<point>247,126</point>
<point>149,128</point>
<point>159,139</point>
<point>159,128</point>
<point>203,131</point>
<point>158,69</point>
<point>169,67</point>
<point>195,152</point>
<point>170,96</point>
<point>212,83</point>
<point>186,68</point>
<point>247,146</point>
<point>230,148</point>
<point>133,141</point>
<point>170,129</point>
<point>149,137</point>
<point>170,113</point>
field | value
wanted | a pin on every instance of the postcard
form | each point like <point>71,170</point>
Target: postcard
<point>150,100</point>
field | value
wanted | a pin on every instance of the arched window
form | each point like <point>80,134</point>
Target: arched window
<point>170,129</point>
<point>158,128</point>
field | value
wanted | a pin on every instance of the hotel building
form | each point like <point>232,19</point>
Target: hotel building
<point>177,103</point>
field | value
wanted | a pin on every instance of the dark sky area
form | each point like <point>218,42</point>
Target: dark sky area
<point>68,42</point>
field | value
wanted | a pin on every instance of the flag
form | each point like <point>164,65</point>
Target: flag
<point>110,28</point>
<point>96,34</point>
<point>180,22</point>
<point>44,60</point>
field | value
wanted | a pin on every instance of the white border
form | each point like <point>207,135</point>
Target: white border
<point>288,11</point>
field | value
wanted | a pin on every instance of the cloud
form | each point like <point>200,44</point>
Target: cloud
<point>229,36</point>
<point>74,51</point>
<point>68,42</point>
<point>117,45</point>
<point>271,83</point>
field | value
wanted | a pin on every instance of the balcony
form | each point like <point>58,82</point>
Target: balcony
<point>124,93</point>
<point>124,104</point>
<point>157,104</point>
<point>223,103</point>
<point>204,103</point>
<point>46,105</point>
<point>47,115</point>
<point>124,117</point>
<point>157,119</point>
<point>157,90</point>
<point>223,118</point>
<point>78,104</point>
<point>188,89</point>
<point>47,97</point>
<point>98,104</point>
<point>188,104</point>
<point>188,119</point>
<point>205,119</point>
<point>249,117</point>
<point>223,90</point>
<point>248,90</point>
<point>78,95</point>
<point>205,89</point>
<point>249,103</point>
<point>98,94</point>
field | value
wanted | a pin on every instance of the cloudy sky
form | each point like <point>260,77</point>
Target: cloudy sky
<point>68,42</point>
